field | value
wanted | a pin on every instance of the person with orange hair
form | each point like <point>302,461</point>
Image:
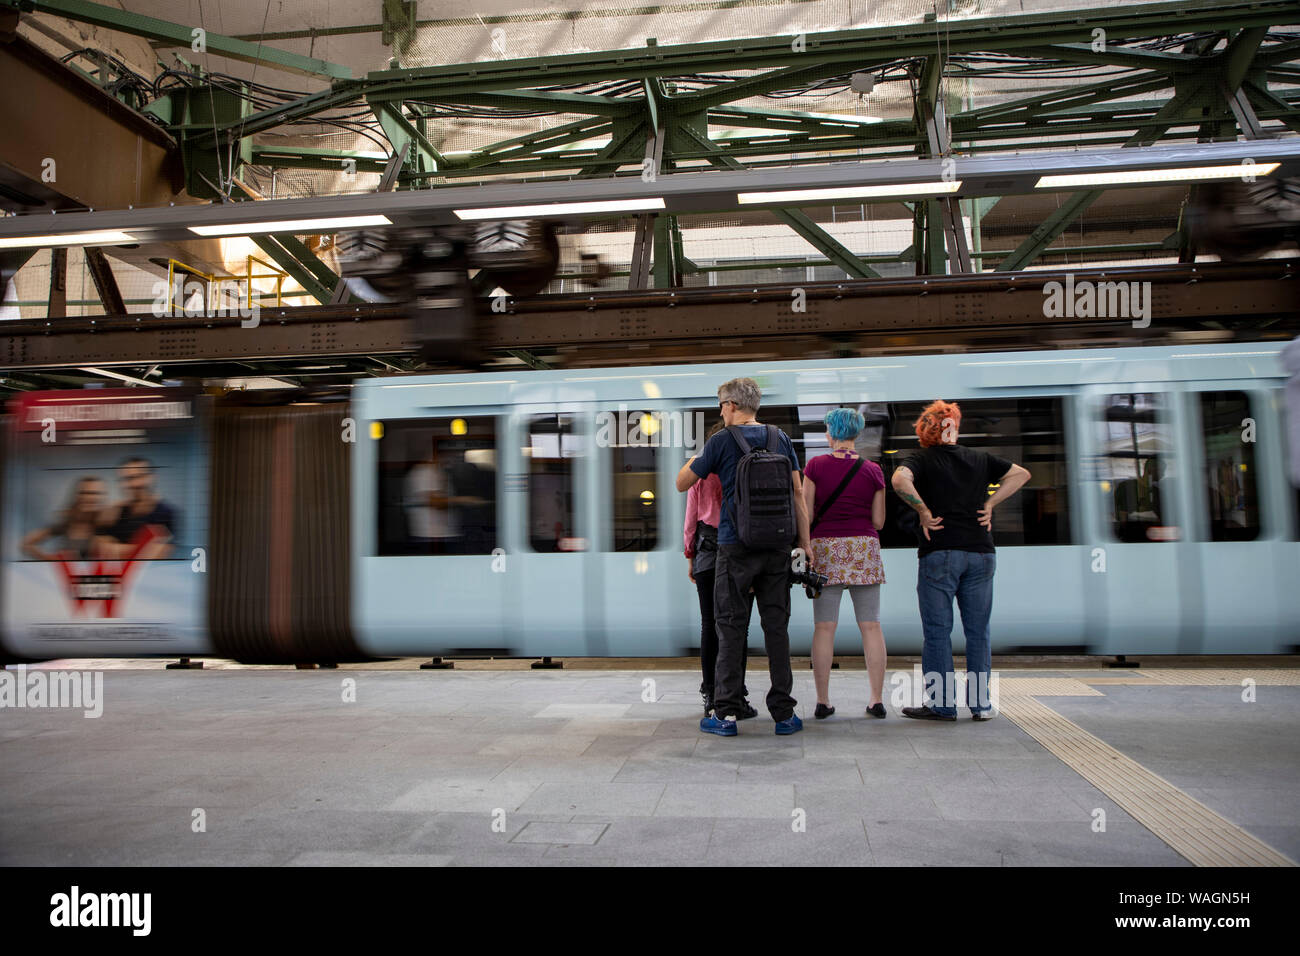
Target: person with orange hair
<point>947,484</point>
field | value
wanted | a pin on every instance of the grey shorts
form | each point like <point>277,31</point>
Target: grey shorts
<point>866,602</point>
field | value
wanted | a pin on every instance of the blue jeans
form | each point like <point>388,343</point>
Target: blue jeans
<point>967,576</point>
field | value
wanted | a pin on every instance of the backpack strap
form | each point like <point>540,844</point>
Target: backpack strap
<point>844,483</point>
<point>773,439</point>
<point>734,432</point>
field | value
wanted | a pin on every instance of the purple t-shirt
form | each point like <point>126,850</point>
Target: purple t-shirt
<point>850,516</point>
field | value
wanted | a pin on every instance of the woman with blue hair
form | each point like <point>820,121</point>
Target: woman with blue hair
<point>845,495</point>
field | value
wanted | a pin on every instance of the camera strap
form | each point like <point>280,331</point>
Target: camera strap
<point>839,489</point>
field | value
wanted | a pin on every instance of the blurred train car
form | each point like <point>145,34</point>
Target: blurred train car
<point>533,513</point>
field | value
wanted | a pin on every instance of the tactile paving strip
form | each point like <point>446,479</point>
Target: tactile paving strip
<point>1046,687</point>
<point>1275,677</point>
<point>1190,827</point>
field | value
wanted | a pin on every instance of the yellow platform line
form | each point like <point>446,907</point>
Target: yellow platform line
<point>1191,828</point>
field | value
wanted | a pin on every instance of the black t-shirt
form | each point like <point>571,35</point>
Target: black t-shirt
<point>124,530</point>
<point>953,481</point>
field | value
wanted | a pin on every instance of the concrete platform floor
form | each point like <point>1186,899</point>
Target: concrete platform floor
<point>516,767</point>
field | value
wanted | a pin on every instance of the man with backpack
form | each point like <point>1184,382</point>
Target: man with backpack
<point>763,516</point>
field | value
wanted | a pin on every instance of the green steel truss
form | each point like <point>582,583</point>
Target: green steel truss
<point>1225,77</point>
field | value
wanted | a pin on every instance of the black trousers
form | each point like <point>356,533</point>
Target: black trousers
<point>709,630</point>
<point>768,573</point>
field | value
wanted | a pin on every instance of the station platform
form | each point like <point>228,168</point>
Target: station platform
<point>498,764</point>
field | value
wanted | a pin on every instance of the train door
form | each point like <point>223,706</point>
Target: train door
<point>638,451</point>
<point>1138,465</point>
<point>427,491</point>
<point>1242,519</point>
<point>554,572</point>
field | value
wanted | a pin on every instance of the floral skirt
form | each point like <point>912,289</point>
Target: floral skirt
<point>849,560</point>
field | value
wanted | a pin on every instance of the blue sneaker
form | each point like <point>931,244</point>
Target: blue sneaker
<point>722,726</point>
<point>792,725</point>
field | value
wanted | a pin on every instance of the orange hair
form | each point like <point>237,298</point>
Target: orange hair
<point>930,426</point>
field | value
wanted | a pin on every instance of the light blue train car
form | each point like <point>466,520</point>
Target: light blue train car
<point>533,513</point>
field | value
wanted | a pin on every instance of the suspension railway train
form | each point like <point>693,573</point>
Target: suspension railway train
<point>533,513</point>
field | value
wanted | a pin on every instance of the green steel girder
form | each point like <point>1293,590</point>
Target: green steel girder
<point>971,121</point>
<point>400,131</point>
<point>1195,89</point>
<point>532,145</point>
<point>1269,105</point>
<point>757,85</point>
<point>786,120</point>
<point>814,234</point>
<point>840,50</point>
<point>1159,61</point>
<point>174,34</point>
<point>305,157</point>
<point>523,99</point>
<point>294,261</point>
<point>1223,72</point>
<point>665,269</point>
<point>291,255</point>
<point>822,55</point>
<point>626,145</point>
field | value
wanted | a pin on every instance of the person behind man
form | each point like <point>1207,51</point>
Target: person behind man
<point>738,568</point>
<point>143,508</point>
<point>846,548</point>
<point>947,484</point>
<point>433,522</point>
<point>700,540</point>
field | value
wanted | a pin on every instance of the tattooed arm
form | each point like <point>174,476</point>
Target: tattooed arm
<point>902,482</point>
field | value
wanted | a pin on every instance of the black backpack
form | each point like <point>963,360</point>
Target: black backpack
<point>764,497</point>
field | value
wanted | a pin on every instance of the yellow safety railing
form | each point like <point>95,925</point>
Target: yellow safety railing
<point>275,274</point>
<point>210,278</point>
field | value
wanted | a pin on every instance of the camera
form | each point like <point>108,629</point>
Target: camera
<point>812,581</point>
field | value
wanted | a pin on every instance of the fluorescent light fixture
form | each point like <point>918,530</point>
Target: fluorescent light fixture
<point>68,239</point>
<point>290,225</point>
<point>107,373</point>
<point>563,208</point>
<point>1138,176</point>
<point>851,192</point>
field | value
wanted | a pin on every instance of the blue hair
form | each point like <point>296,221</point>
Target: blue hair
<point>844,423</point>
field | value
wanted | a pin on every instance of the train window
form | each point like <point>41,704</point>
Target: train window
<point>1133,471</point>
<point>1026,431</point>
<point>437,486</point>
<point>1231,495</point>
<point>553,445</point>
<point>634,483</point>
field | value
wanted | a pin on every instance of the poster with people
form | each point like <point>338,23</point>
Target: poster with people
<point>105,501</point>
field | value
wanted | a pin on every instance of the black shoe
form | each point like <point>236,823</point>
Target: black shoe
<point>877,710</point>
<point>746,710</point>
<point>981,715</point>
<point>823,711</point>
<point>925,713</point>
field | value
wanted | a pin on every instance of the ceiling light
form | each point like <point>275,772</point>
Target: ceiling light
<point>1138,176</point>
<point>107,373</point>
<point>291,225</point>
<point>563,209</point>
<point>851,192</point>
<point>69,239</point>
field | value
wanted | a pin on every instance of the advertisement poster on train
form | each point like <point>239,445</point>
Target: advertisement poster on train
<point>105,523</point>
